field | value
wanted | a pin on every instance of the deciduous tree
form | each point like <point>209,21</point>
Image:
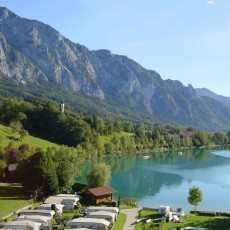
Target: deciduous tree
<point>3,166</point>
<point>195,196</point>
<point>99,176</point>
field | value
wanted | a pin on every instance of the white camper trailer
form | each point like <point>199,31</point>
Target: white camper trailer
<point>164,210</point>
<point>91,223</point>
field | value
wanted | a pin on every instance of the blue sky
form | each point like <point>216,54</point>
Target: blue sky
<point>185,40</point>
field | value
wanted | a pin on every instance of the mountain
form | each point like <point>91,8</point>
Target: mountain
<point>208,93</point>
<point>37,61</point>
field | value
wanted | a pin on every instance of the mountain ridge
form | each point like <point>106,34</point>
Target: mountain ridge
<point>34,54</point>
<point>208,93</point>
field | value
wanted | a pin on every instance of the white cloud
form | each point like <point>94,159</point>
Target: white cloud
<point>211,2</point>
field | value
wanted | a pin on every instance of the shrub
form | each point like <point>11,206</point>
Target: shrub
<point>129,201</point>
<point>225,214</point>
<point>207,213</point>
<point>111,203</point>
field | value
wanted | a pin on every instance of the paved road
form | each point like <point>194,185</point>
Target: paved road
<point>132,215</point>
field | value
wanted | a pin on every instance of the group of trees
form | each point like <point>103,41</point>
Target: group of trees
<point>38,173</point>
<point>44,171</point>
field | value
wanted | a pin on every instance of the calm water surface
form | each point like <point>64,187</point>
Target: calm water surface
<point>165,178</point>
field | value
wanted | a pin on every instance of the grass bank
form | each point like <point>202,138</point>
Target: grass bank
<point>12,198</point>
<point>120,222</point>
<point>6,137</point>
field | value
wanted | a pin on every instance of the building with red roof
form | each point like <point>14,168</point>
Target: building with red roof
<point>100,194</point>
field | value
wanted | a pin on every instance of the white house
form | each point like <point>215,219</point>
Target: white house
<point>109,216</point>
<point>22,225</point>
<point>90,223</point>
<point>164,210</point>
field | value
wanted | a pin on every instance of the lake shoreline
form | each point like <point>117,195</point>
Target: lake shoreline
<point>164,179</point>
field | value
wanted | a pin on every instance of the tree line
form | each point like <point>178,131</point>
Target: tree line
<point>73,129</point>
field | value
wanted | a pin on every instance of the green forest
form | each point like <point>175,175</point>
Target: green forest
<point>80,137</point>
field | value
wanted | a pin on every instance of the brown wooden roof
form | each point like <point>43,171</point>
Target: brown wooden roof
<point>100,191</point>
<point>189,134</point>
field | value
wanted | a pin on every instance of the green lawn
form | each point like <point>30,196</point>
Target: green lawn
<point>6,136</point>
<point>120,222</point>
<point>212,223</point>
<point>149,214</point>
<point>12,198</point>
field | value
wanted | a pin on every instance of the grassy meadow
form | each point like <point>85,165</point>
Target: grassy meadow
<point>108,138</point>
<point>6,136</point>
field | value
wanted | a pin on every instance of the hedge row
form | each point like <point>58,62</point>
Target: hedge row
<point>210,213</point>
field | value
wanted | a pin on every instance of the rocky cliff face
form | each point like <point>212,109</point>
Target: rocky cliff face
<point>55,58</point>
<point>34,53</point>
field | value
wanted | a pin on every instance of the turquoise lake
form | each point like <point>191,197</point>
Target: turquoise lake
<point>165,178</point>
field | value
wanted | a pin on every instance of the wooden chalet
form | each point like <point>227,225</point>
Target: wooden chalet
<point>100,194</point>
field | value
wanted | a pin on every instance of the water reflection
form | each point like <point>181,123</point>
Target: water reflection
<point>165,173</point>
<point>140,183</point>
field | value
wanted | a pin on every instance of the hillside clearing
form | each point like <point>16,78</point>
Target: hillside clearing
<point>108,138</point>
<point>6,137</point>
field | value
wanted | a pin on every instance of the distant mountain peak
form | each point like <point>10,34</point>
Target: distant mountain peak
<point>208,93</point>
<point>6,13</point>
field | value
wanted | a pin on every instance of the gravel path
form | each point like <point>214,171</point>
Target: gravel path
<point>131,217</point>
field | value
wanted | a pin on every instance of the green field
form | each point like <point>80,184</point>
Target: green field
<point>108,138</point>
<point>12,198</point>
<point>6,137</point>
